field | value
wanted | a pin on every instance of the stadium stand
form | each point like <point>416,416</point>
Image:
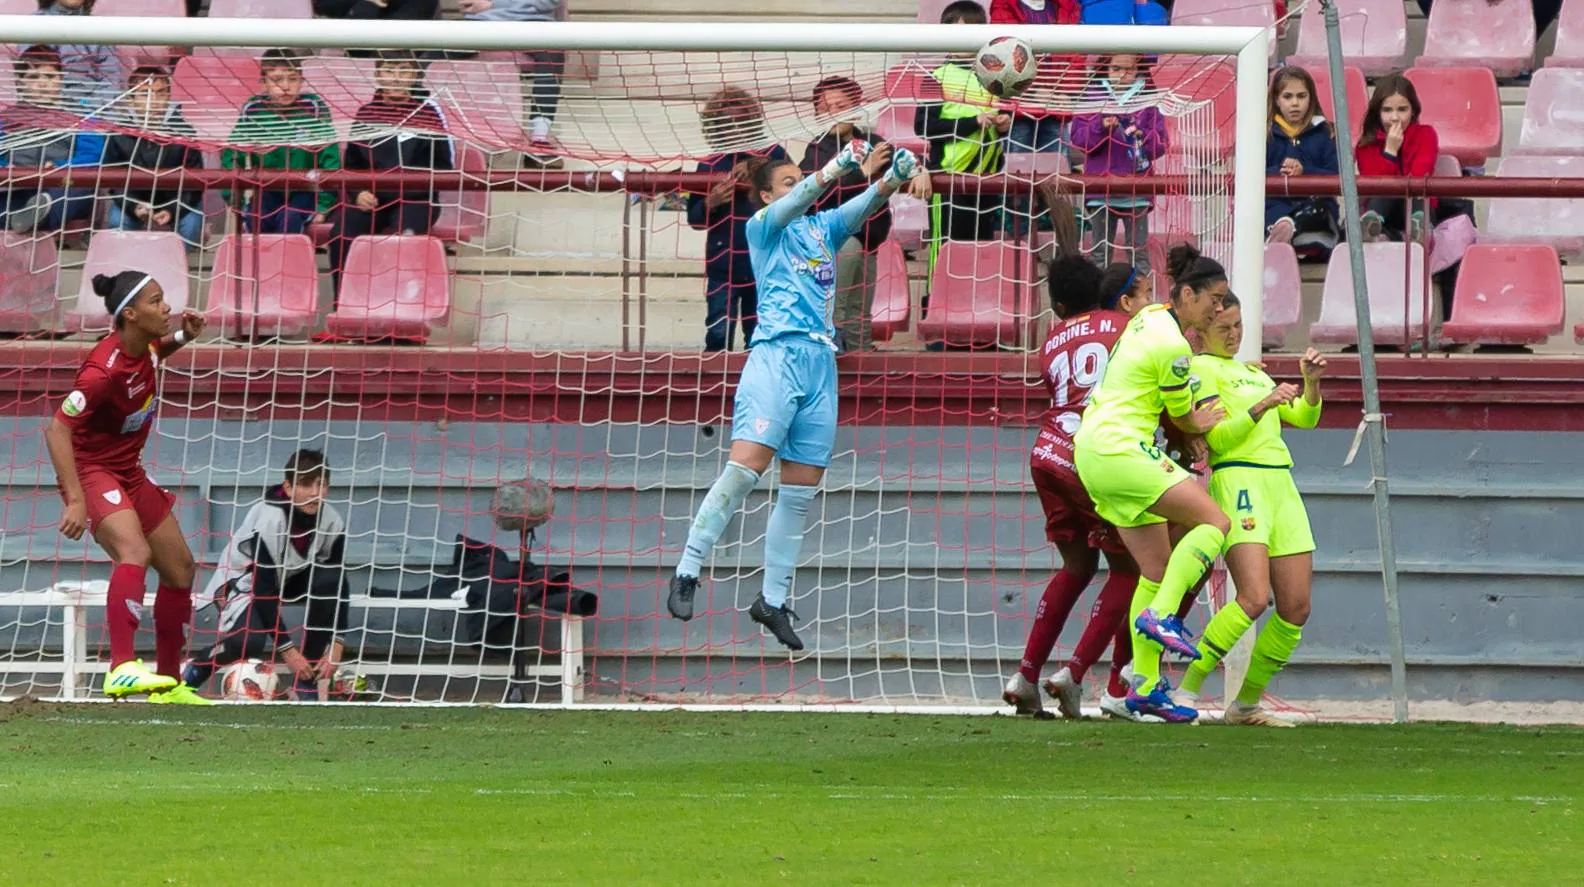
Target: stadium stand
<point>160,253</point>
<point>980,295</point>
<point>394,287</point>
<point>1464,107</point>
<point>1507,295</point>
<point>1397,312</point>
<point>1225,13</point>
<point>263,285</point>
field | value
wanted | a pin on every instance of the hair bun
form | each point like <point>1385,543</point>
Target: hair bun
<point>103,285</point>
<point>1181,258</point>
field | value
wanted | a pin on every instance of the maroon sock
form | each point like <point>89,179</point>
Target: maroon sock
<point>1192,597</point>
<point>172,613</point>
<point>1121,657</point>
<point>1054,607</point>
<point>1110,610</point>
<point>123,610</point>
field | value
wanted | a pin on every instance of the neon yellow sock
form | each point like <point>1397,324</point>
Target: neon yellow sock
<point>1146,653</point>
<point>1195,554</point>
<point>1272,649</point>
<point>1222,632</point>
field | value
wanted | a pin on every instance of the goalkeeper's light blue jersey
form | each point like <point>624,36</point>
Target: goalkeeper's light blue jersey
<point>795,270</point>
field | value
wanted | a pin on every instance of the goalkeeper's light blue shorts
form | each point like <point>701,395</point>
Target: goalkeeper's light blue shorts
<point>786,398</point>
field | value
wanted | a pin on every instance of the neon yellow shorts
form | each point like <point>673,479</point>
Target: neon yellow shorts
<point>1125,484</point>
<point>1265,509</point>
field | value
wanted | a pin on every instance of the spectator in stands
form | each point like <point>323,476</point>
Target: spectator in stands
<point>402,127</point>
<point>290,549</point>
<point>966,134</point>
<point>1392,142</point>
<point>154,145</point>
<point>1030,131</point>
<point>374,9</point>
<point>835,101</point>
<point>44,131</point>
<point>1121,139</point>
<point>283,128</point>
<point>1301,143</point>
<point>93,73</point>
<point>541,70</point>
<point>1124,12</point>
<point>734,125</point>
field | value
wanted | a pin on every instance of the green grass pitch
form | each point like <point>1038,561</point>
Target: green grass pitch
<point>131,794</point>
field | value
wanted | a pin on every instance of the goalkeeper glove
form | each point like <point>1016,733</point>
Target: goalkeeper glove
<point>851,157</point>
<point>904,166</point>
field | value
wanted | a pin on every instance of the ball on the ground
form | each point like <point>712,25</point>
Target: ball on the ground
<point>1005,66</point>
<point>248,681</point>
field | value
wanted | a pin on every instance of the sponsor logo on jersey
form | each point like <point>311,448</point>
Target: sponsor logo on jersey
<point>113,496</point>
<point>1179,367</point>
<point>137,420</point>
<point>75,404</point>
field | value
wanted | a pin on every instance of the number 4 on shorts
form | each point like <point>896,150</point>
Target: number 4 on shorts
<point>1243,503</point>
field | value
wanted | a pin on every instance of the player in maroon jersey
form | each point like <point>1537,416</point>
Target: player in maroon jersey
<point>1092,307</point>
<point>96,443</point>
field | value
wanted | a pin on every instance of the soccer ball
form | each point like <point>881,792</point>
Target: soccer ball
<point>248,681</point>
<point>1005,66</point>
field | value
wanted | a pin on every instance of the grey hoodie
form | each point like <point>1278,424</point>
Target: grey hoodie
<point>517,11</point>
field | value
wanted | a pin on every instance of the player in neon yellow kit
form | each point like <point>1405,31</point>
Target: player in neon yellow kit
<point>1270,545</point>
<point>1136,487</point>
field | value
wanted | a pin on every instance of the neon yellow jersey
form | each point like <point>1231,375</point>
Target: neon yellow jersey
<point>1238,440</point>
<point>1150,370</point>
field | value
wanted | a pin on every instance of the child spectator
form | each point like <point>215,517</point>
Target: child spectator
<point>1301,143</point>
<point>400,128</point>
<point>732,119</point>
<point>1121,139</point>
<point>541,70</point>
<point>966,134</point>
<point>835,99</point>
<point>149,109</point>
<point>44,134</point>
<point>93,73</point>
<point>1038,131</point>
<point>1392,142</point>
<point>288,129</point>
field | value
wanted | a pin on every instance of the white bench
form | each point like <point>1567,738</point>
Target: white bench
<point>75,599</point>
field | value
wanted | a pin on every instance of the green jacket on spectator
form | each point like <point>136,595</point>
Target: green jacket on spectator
<point>295,136</point>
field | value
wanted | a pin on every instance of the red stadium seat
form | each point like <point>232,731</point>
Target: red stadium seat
<point>1448,166</point>
<point>1207,134</point>
<point>905,86</point>
<point>392,288</point>
<point>261,8</point>
<point>1465,109</point>
<point>286,277</point>
<point>1578,334</point>
<point>893,300</point>
<point>482,99</point>
<point>28,268</point>
<point>160,253</point>
<point>346,84</point>
<point>143,8</point>
<point>1357,98</point>
<point>18,7</point>
<point>1225,14</point>
<point>212,90</point>
<point>980,295</point>
<point>1555,221</point>
<point>1498,35</point>
<point>1553,115</point>
<point>1374,36</point>
<point>909,221</point>
<point>463,213</point>
<point>1569,36</point>
<point>1507,295</point>
<point>1283,291</point>
<point>1038,165</point>
<point>1395,319</point>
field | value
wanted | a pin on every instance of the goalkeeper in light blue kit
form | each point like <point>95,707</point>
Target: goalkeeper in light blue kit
<point>786,398</point>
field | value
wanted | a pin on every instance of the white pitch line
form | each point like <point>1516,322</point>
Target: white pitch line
<point>1068,797</point>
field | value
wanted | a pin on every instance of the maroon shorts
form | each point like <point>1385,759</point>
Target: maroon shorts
<point>107,492</point>
<point>1069,512</point>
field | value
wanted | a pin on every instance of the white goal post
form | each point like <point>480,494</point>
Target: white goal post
<point>1250,46</point>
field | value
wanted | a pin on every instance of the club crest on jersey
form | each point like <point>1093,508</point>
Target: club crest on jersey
<point>761,425</point>
<point>75,403</point>
<point>1248,523</point>
<point>113,497</point>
